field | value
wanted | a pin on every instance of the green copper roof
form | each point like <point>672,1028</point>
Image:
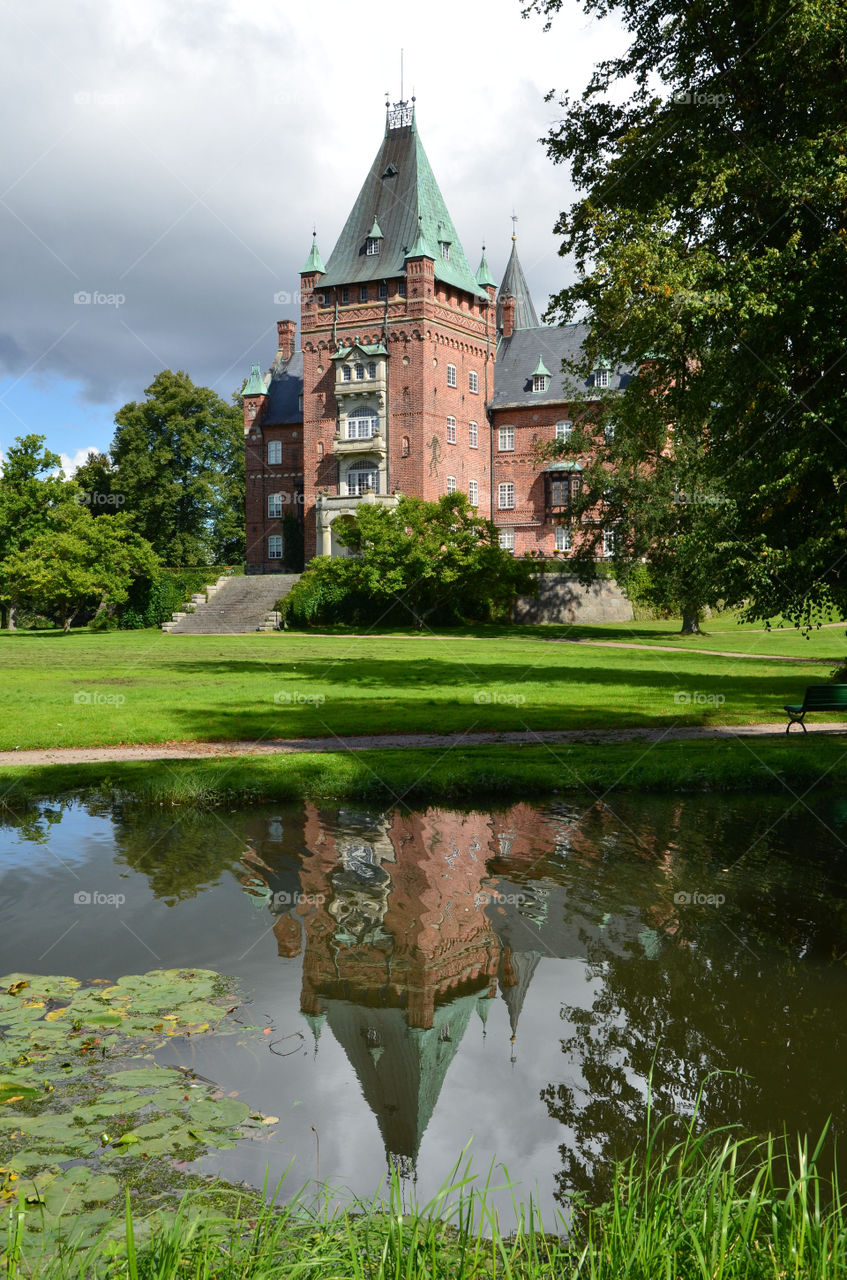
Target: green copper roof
<point>402,1084</point>
<point>514,285</point>
<point>541,368</point>
<point>563,464</point>
<point>375,233</point>
<point>402,196</point>
<point>314,262</point>
<point>256,383</point>
<point>368,348</point>
<point>420,249</point>
<point>483,273</point>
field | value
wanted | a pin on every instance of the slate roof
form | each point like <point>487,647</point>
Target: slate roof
<point>400,194</point>
<point>284,391</point>
<point>514,285</point>
<point>519,355</point>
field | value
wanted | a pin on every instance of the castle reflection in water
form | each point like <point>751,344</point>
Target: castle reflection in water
<point>410,925</point>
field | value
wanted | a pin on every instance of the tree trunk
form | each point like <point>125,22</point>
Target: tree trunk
<point>691,622</point>
<point>12,615</point>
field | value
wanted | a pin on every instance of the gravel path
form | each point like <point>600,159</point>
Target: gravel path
<point>391,741</point>
<point>667,648</point>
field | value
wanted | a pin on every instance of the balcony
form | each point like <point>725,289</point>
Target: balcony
<point>374,446</point>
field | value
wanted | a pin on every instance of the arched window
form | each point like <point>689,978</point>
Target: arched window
<point>362,424</point>
<point>405,447</point>
<point>362,477</point>
<point>320,449</point>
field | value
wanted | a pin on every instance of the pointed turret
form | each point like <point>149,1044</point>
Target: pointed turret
<point>256,383</point>
<point>314,262</point>
<point>420,249</point>
<point>484,277</point>
<point>514,285</point>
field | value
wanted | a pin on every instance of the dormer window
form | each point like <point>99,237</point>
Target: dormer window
<point>445,250</point>
<point>540,376</point>
<point>373,239</point>
<point>601,378</point>
<point>360,372</point>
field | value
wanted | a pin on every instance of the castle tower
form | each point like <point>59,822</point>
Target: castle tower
<point>522,314</point>
<point>399,340</point>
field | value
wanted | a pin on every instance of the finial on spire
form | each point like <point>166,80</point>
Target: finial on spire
<point>514,227</point>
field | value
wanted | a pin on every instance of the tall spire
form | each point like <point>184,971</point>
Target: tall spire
<point>514,285</point>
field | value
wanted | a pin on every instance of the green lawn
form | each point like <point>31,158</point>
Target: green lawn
<point>127,687</point>
<point>723,633</point>
<point>459,775</point>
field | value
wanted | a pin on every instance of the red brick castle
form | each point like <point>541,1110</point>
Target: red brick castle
<point>415,376</point>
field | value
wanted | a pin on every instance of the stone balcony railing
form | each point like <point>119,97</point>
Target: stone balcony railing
<point>370,446</point>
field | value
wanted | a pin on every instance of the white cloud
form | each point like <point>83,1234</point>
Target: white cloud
<point>70,462</point>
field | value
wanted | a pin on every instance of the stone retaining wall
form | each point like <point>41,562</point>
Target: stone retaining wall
<point>561,599</point>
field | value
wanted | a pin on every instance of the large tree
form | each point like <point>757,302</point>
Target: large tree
<point>412,564</point>
<point>711,234</point>
<point>31,485</point>
<point>179,462</point>
<point>77,562</point>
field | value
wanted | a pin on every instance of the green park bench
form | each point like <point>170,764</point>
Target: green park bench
<point>818,697</point>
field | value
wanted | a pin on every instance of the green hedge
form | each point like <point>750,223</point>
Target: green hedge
<point>152,600</point>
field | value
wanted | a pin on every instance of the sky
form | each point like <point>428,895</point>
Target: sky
<point>168,160</point>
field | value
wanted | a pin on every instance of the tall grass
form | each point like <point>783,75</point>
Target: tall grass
<point>711,1207</point>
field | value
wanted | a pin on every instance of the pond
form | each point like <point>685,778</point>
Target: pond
<point>509,978</point>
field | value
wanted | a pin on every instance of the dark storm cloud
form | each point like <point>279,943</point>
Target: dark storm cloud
<point>167,160</point>
<point>150,209</point>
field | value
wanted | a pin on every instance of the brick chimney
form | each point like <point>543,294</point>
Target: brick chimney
<point>509,305</point>
<point>287,333</point>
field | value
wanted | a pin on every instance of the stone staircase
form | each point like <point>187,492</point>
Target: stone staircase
<point>234,605</point>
